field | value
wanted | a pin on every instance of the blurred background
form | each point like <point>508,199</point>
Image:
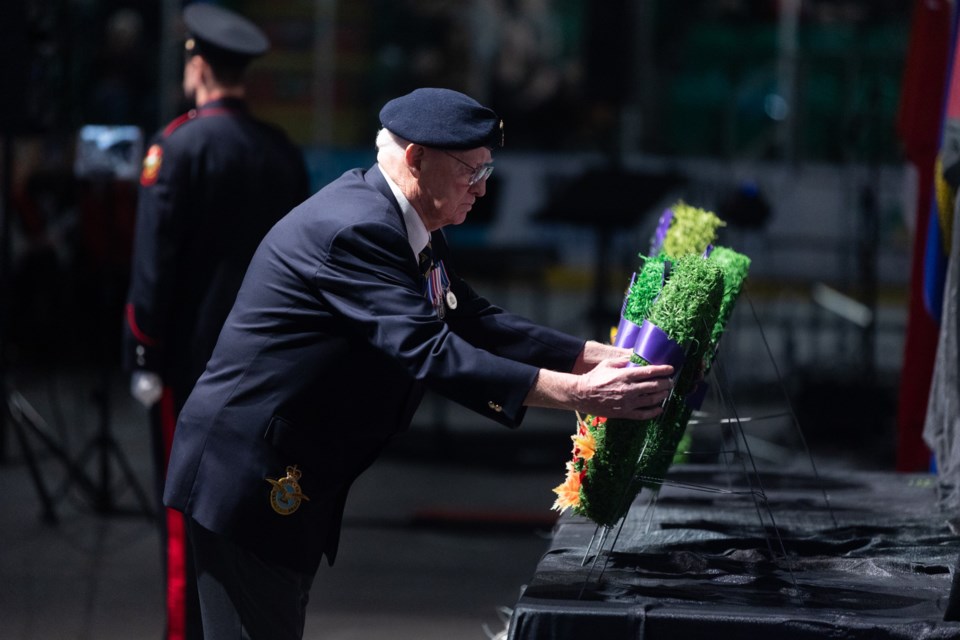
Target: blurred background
<point>780,116</point>
<point>809,126</point>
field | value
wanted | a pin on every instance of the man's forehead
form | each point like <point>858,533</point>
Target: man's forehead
<point>478,155</point>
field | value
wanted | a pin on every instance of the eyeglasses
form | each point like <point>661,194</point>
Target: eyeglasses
<point>479,173</point>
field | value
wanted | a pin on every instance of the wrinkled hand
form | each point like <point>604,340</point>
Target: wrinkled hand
<point>596,352</point>
<point>614,390</point>
<point>146,387</point>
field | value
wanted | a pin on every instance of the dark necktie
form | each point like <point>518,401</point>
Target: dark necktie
<point>426,259</point>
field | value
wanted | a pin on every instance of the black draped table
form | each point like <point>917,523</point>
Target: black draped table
<point>734,555</point>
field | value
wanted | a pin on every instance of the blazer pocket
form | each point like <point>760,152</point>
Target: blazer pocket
<point>286,438</point>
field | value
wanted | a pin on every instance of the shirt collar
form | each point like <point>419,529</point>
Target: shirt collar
<point>232,103</point>
<point>417,234</point>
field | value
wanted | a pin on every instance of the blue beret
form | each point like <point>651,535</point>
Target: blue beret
<point>442,118</point>
<point>221,33</point>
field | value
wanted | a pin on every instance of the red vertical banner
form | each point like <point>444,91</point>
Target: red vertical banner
<point>919,125</point>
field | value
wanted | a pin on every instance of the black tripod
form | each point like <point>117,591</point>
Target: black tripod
<point>106,194</point>
<point>31,431</point>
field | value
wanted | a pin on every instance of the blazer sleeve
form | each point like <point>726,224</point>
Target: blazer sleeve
<point>369,278</point>
<point>161,222</point>
<point>503,333</point>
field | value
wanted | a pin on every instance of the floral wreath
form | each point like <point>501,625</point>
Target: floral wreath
<point>675,311</point>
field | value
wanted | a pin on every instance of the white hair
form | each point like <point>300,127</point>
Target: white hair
<point>390,145</point>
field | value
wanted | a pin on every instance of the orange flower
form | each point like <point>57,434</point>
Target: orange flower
<point>584,446</point>
<point>568,493</point>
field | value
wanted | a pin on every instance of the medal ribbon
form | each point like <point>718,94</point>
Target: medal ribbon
<point>437,285</point>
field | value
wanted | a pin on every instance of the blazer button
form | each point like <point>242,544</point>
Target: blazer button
<point>496,407</point>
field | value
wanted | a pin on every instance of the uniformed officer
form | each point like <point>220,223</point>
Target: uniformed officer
<point>213,183</point>
<point>350,309</point>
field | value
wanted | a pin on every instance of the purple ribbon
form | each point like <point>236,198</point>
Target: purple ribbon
<point>708,251</point>
<point>627,333</point>
<point>661,233</point>
<point>656,347</point>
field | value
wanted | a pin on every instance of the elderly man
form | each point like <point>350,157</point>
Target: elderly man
<point>351,308</point>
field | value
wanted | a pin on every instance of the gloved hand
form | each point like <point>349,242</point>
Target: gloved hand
<point>146,387</point>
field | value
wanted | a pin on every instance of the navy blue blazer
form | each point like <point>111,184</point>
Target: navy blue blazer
<point>324,357</point>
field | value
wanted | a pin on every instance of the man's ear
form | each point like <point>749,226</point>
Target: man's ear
<point>204,71</point>
<point>413,156</point>
<point>195,60</point>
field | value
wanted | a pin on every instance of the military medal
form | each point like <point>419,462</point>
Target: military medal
<point>438,289</point>
<point>286,495</point>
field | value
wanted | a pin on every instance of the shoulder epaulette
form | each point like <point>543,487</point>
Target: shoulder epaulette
<point>179,120</point>
<point>194,114</point>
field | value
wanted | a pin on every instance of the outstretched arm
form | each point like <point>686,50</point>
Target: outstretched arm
<point>609,388</point>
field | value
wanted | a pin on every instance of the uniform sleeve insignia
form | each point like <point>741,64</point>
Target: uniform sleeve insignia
<point>285,496</point>
<point>151,165</point>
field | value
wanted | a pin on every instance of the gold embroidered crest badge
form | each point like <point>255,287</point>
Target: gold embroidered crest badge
<point>285,496</point>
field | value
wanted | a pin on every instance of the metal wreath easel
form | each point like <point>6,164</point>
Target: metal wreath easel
<point>597,546</point>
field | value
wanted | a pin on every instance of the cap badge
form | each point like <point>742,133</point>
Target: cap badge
<point>285,496</point>
<point>151,165</point>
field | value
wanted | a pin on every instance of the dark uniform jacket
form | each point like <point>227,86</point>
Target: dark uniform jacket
<point>214,181</point>
<point>325,356</point>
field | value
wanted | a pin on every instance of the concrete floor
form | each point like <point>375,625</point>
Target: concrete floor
<point>435,545</point>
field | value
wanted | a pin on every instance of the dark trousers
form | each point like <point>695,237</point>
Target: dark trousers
<point>243,597</point>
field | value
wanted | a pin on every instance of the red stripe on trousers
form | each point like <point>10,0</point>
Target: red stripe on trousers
<point>176,535</point>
